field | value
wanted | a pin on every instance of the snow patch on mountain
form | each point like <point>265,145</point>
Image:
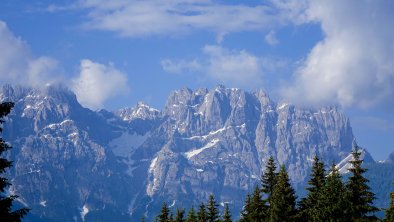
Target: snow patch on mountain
<point>84,211</point>
<point>212,133</point>
<point>344,166</point>
<point>152,186</point>
<point>43,203</point>
<point>282,106</point>
<point>195,152</point>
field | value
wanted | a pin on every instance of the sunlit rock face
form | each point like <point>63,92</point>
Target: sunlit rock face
<point>74,164</point>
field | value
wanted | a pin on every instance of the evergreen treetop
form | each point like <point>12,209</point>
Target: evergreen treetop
<point>389,215</point>
<point>268,178</point>
<point>212,210</point>
<point>179,216</point>
<point>359,195</point>
<point>283,199</point>
<point>334,204</point>
<point>226,214</point>
<point>311,205</point>
<point>191,216</point>
<point>202,213</point>
<point>163,216</point>
<point>6,213</point>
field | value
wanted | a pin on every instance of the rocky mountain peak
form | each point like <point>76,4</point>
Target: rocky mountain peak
<point>131,160</point>
<point>141,111</point>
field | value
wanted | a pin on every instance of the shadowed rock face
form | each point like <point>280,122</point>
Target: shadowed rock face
<point>73,164</point>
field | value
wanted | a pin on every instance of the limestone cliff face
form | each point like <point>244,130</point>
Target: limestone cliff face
<point>73,164</point>
<point>218,141</point>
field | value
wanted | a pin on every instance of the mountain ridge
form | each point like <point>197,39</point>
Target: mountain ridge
<point>126,162</point>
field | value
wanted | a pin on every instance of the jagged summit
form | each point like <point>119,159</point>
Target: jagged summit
<point>140,111</point>
<point>83,162</point>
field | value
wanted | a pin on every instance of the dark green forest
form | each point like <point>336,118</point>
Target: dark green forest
<point>329,198</point>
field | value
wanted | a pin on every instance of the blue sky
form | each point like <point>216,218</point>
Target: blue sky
<point>116,53</point>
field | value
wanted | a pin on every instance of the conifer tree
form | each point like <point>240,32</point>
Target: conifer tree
<point>268,179</point>
<point>389,215</point>
<point>163,216</point>
<point>334,203</point>
<point>191,216</point>
<point>254,209</point>
<point>359,195</point>
<point>212,210</point>
<point>226,214</point>
<point>283,199</point>
<point>311,205</point>
<point>6,213</point>
<point>202,213</point>
<point>247,210</point>
<point>171,218</point>
<point>179,216</point>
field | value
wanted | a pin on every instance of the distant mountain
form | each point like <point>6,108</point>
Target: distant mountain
<point>74,164</point>
<point>390,159</point>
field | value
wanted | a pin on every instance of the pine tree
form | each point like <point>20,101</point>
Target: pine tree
<point>212,210</point>
<point>163,216</point>
<point>258,206</point>
<point>254,207</point>
<point>334,203</point>
<point>226,214</point>
<point>179,216</point>
<point>311,205</point>
<point>359,195</point>
<point>6,213</point>
<point>202,213</point>
<point>283,199</point>
<point>191,216</point>
<point>268,179</point>
<point>171,218</point>
<point>247,210</point>
<point>389,215</point>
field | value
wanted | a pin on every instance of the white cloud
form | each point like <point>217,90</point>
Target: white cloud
<point>179,67</point>
<point>353,64</point>
<point>232,67</point>
<point>271,39</point>
<point>97,83</point>
<point>156,17</point>
<point>19,66</point>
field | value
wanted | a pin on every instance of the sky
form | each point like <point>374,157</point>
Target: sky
<point>115,53</point>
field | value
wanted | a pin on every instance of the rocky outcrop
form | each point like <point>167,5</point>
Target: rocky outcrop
<point>73,163</point>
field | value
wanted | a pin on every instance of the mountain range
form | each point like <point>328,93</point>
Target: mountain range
<point>75,164</point>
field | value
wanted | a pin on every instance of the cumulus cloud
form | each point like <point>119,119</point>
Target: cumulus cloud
<point>271,39</point>
<point>19,66</point>
<point>179,67</point>
<point>353,64</point>
<point>97,83</point>
<point>232,67</point>
<point>155,17</point>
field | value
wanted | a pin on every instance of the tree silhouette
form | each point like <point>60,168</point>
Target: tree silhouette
<point>6,213</point>
<point>359,195</point>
